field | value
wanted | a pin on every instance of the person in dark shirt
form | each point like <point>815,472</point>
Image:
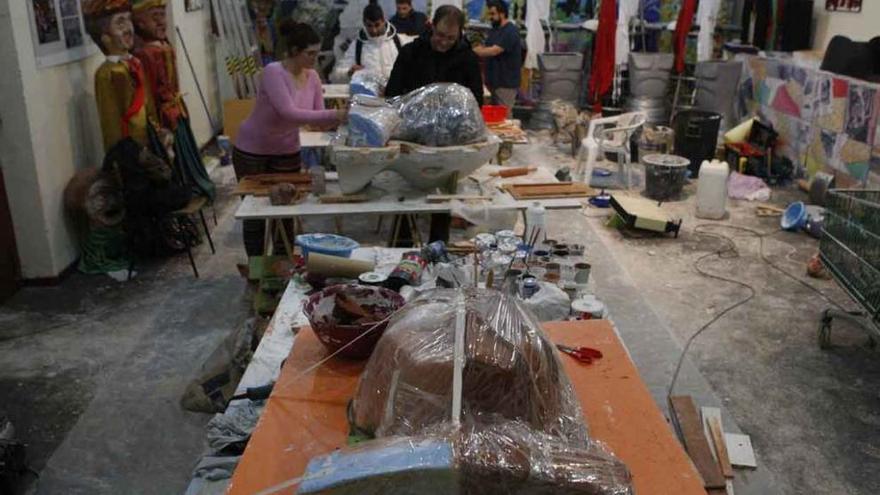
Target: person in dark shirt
<point>440,55</point>
<point>503,54</point>
<point>408,21</point>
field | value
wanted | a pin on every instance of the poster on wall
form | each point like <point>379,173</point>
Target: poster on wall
<point>843,5</point>
<point>58,32</point>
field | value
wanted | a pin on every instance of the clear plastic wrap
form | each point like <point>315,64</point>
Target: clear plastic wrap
<point>511,370</point>
<point>496,459</point>
<point>371,122</point>
<point>466,395</point>
<point>366,82</point>
<point>440,114</point>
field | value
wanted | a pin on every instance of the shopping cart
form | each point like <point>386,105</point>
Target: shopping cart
<point>850,250</point>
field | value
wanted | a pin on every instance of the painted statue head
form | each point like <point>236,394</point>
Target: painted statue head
<point>108,22</point>
<point>150,19</point>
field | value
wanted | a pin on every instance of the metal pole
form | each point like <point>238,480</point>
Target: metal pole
<point>214,128</point>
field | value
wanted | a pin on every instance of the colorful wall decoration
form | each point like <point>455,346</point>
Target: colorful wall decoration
<point>826,122</point>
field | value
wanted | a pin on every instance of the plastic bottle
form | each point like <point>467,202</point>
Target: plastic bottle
<point>319,184</point>
<point>712,190</point>
<point>535,219</point>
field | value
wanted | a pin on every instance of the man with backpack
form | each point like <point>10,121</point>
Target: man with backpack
<point>374,48</point>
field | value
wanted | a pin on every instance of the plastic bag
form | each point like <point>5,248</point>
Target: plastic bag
<point>512,370</point>
<point>747,187</point>
<point>440,114</point>
<point>366,82</point>
<point>550,303</point>
<point>371,122</point>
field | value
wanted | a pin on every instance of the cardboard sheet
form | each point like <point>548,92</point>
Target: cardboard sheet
<point>306,414</point>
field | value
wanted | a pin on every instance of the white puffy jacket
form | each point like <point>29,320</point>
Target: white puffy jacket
<point>378,54</point>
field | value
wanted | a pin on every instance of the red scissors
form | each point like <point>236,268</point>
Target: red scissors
<point>585,355</point>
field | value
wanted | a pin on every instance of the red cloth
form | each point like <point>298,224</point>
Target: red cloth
<point>682,28</point>
<point>602,73</point>
<point>137,74</point>
<point>160,64</point>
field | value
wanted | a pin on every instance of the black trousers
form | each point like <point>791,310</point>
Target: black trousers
<point>244,163</point>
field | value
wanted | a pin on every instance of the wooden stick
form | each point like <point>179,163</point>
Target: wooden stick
<point>513,172</point>
<point>720,447</point>
<point>695,441</point>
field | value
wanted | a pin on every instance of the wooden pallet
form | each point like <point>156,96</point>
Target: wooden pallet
<point>258,185</point>
<point>548,190</point>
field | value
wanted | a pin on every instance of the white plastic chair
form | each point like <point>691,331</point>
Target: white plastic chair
<point>610,135</point>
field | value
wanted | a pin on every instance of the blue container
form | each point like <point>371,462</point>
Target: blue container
<point>795,216</point>
<point>329,244</point>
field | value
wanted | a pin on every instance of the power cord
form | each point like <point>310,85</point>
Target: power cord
<point>730,251</point>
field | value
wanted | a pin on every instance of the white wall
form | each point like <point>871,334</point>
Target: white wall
<point>49,129</point>
<point>859,27</point>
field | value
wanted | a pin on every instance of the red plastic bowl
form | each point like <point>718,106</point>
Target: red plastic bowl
<point>494,114</point>
<point>319,310</point>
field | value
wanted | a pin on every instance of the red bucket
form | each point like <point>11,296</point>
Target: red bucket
<point>494,114</point>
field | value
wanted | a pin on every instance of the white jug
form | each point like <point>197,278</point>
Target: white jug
<point>712,190</point>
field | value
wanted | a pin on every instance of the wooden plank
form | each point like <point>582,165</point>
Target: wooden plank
<point>343,198</point>
<point>442,198</point>
<point>258,185</point>
<point>739,449</point>
<point>547,190</point>
<point>691,429</point>
<point>720,447</point>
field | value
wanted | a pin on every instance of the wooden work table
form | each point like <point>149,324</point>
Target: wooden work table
<point>306,414</point>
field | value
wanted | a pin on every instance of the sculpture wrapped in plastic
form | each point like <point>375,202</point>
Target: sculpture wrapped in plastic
<point>466,395</point>
<point>371,122</point>
<point>367,82</point>
<point>440,114</point>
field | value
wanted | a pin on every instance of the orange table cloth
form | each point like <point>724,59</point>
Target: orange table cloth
<point>306,414</point>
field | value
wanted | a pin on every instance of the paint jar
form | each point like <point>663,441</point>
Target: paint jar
<point>582,273</point>
<point>588,308</point>
<point>529,286</point>
<point>553,268</point>
<point>576,249</point>
<point>540,253</point>
<point>571,290</point>
<point>552,278</point>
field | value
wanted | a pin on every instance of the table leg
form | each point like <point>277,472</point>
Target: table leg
<point>268,237</point>
<point>395,231</point>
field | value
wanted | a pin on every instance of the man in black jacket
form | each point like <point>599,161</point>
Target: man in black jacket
<point>441,55</point>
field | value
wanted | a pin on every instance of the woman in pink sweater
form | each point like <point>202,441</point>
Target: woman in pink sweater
<point>289,96</point>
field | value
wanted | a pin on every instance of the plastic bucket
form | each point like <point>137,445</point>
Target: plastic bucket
<point>329,244</point>
<point>795,216</point>
<point>493,114</point>
<point>664,176</point>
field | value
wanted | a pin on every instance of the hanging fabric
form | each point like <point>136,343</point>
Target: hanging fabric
<point>627,9</point>
<point>539,10</point>
<point>707,17</point>
<point>682,28</point>
<point>602,73</point>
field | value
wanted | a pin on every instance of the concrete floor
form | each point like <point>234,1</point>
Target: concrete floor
<point>812,414</point>
<point>95,368</point>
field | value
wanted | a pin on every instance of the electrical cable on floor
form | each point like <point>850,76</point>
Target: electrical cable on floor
<point>730,251</point>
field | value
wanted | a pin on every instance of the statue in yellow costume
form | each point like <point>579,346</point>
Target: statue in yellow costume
<point>125,105</point>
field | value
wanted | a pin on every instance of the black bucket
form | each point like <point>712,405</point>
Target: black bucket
<point>696,135</point>
<point>664,176</point>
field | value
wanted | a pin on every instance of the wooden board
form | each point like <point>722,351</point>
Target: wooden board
<point>695,441</point>
<point>509,132</point>
<point>234,113</point>
<point>443,198</point>
<point>343,198</point>
<point>258,185</point>
<point>548,190</point>
<point>306,414</point>
<point>720,447</point>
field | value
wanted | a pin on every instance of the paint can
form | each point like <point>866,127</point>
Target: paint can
<point>408,271</point>
<point>436,252</point>
<point>588,308</point>
<point>529,286</point>
<point>571,290</point>
<point>372,278</point>
<point>582,273</point>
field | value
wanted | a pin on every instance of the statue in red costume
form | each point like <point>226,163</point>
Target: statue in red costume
<point>160,65</point>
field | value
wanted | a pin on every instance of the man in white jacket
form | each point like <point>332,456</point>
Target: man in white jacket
<point>374,48</point>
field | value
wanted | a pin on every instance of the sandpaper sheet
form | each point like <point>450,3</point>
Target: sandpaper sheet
<point>306,414</point>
